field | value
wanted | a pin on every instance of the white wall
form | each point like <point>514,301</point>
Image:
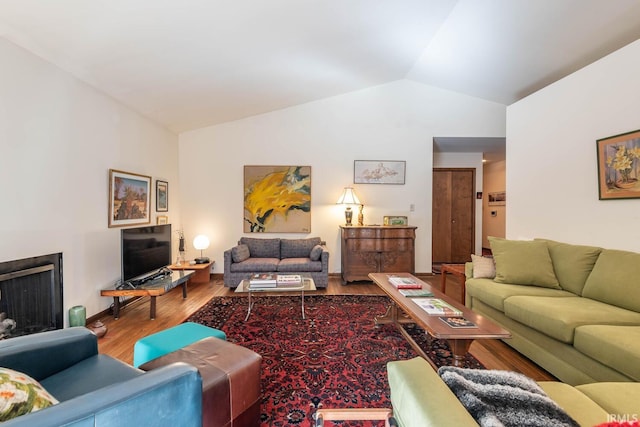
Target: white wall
<point>466,160</point>
<point>551,155</point>
<point>494,181</point>
<point>395,121</point>
<point>59,138</point>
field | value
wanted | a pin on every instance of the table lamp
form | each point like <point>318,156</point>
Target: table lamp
<point>201,242</point>
<point>348,198</point>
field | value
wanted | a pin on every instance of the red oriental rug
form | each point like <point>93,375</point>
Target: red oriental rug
<point>336,358</point>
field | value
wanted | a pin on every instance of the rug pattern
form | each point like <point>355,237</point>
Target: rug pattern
<point>336,358</point>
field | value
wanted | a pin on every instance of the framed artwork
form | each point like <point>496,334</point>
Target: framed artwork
<point>378,171</point>
<point>162,196</point>
<point>498,198</point>
<point>619,166</point>
<point>129,198</point>
<point>395,220</point>
<point>162,219</point>
<point>277,199</point>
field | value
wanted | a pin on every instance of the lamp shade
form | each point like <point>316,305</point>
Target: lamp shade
<point>348,197</point>
<point>201,242</point>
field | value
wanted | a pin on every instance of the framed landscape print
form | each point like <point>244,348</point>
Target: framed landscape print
<point>499,198</point>
<point>378,171</point>
<point>619,166</point>
<point>277,199</point>
<point>162,196</point>
<point>129,198</point>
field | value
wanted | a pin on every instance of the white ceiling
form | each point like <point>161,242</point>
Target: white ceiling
<point>193,63</point>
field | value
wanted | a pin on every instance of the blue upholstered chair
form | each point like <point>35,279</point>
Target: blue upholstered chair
<point>97,390</point>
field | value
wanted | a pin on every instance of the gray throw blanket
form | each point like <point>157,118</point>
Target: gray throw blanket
<point>504,399</point>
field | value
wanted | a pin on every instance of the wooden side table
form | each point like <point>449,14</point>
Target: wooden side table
<point>202,271</point>
<point>458,271</point>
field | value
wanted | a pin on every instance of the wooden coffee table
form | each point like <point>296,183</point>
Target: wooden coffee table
<point>459,339</point>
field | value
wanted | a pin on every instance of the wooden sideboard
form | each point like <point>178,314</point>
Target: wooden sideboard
<point>376,249</point>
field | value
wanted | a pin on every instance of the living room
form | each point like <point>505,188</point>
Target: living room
<point>61,136</point>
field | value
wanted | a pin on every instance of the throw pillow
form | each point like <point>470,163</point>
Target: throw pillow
<point>240,253</point>
<point>20,394</point>
<point>316,253</point>
<point>523,262</point>
<point>483,267</point>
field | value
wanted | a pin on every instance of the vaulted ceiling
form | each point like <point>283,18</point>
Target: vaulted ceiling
<point>192,63</point>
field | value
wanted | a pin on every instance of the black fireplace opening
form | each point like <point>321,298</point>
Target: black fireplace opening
<point>31,295</point>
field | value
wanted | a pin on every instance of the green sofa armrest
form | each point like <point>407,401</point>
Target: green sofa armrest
<point>421,399</point>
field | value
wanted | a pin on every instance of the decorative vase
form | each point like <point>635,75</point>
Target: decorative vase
<point>77,316</point>
<point>98,328</point>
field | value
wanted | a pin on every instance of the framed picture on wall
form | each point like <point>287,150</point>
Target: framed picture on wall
<point>162,219</point>
<point>162,196</point>
<point>378,171</point>
<point>277,199</point>
<point>619,166</point>
<point>129,198</point>
<point>498,198</point>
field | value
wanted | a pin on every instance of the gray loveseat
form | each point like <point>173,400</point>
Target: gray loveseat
<point>286,256</point>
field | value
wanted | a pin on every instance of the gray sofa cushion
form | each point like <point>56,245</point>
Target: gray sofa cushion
<point>299,264</point>
<point>255,265</point>
<point>316,253</point>
<point>240,253</point>
<point>262,248</point>
<point>297,248</point>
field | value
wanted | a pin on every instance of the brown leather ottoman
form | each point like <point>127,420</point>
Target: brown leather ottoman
<point>230,380</point>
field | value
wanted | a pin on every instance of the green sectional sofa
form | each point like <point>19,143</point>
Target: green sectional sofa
<point>572,309</point>
<point>421,399</point>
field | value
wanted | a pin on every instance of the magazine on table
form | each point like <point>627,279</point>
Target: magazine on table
<point>284,280</point>
<point>404,282</point>
<point>458,322</point>
<point>415,293</point>
<point>436,306</point>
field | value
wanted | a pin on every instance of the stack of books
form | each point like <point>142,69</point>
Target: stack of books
<point>404,282</point>
<point>263,281</point>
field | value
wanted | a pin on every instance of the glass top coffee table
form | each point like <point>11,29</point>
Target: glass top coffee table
<point>306,285</point>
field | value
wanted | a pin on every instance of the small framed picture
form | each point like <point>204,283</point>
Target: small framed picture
<point>378,171</point>
<point>162,196</point>
<point>619,166</point>
<point>498,198</point>
<point>395,220</point>
<point>162,219</point>
<point>129,198</point>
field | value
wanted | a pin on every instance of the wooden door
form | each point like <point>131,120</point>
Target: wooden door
<point>453,215</point>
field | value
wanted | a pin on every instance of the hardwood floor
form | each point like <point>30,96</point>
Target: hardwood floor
<point>172,309</point>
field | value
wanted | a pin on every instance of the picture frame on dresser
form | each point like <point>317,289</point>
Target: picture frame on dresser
<point>129,199</point>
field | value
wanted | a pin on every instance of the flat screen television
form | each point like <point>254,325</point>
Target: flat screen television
<point>145,251</point>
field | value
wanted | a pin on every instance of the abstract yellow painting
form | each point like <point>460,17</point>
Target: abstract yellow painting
<point>277,199</point>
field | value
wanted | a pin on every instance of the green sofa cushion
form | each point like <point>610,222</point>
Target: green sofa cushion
<point>614,279</point>
<point>579,406</point>
<point>619,399</point>
<point>523,262</point>
<point>617,347</point>
<point>572,263</point>
<point>421,399</point>
<point>559,317</point>
<point>494,294</point>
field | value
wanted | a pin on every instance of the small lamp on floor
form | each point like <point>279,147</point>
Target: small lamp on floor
<point>348,198</point>
<point>201,242</point>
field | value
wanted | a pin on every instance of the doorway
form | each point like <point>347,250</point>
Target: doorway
<point>453,215</point>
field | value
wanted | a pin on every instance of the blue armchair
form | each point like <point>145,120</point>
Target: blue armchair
<point>98,390</point>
